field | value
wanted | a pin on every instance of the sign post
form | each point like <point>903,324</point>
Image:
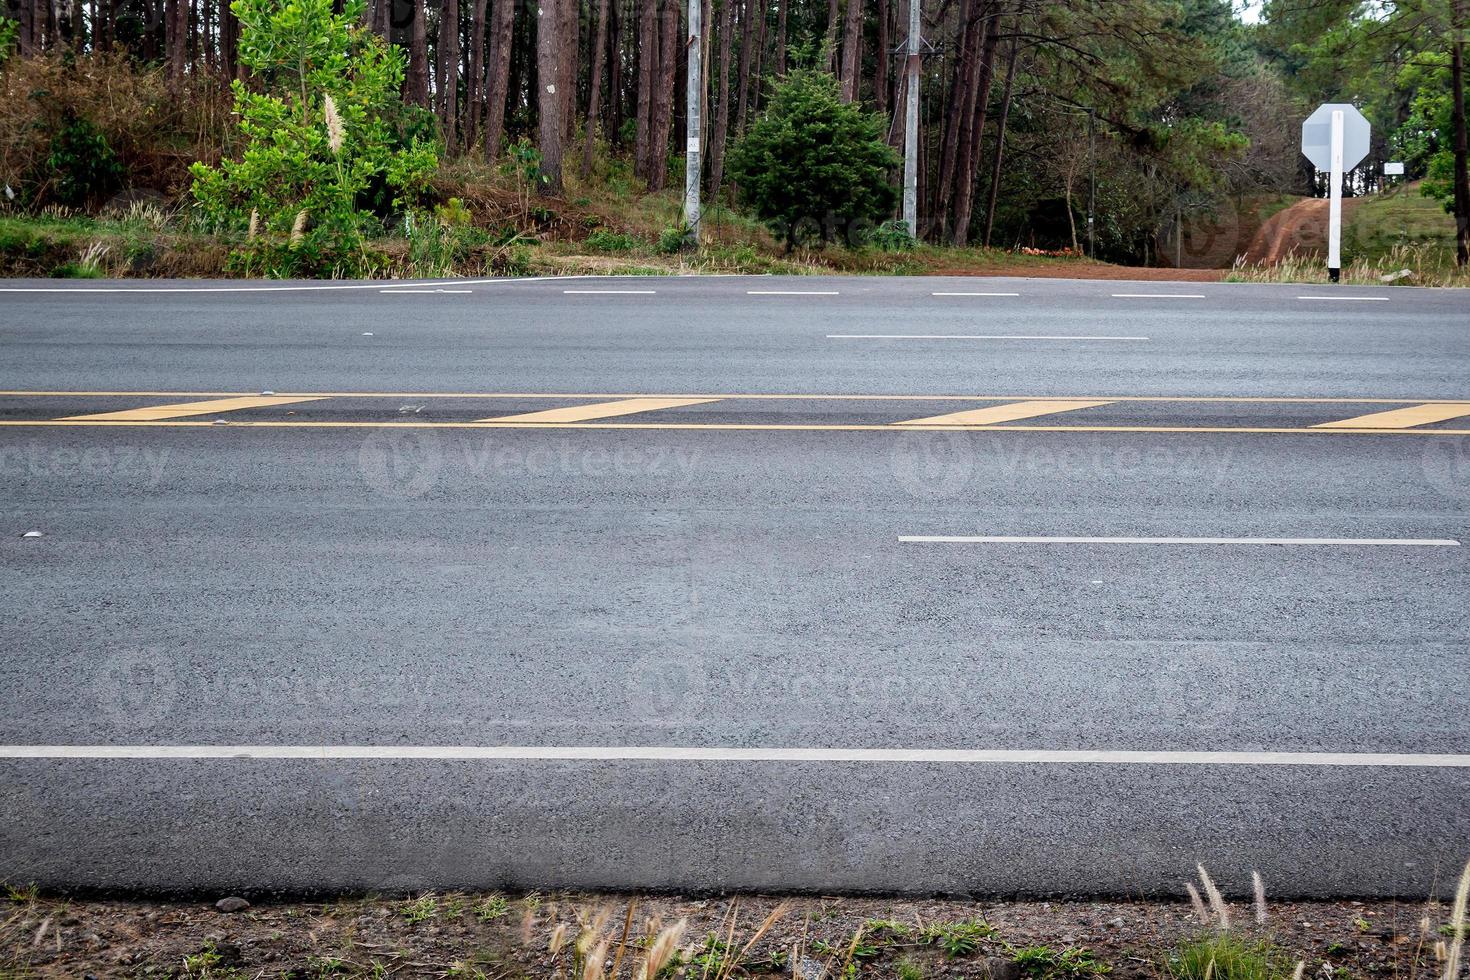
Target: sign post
<point>1335,138</point>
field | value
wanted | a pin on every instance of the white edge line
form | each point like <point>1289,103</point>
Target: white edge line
<point>1325,542</point>
<point>792,292</point>
<point>703,754</point>
<point>421,292</point>
<point>1158,296</point>
<point>955,336</point>
<point>1350,299</point>
<point>380,285</point>
<point>974,294</point>
<point>609,292</point>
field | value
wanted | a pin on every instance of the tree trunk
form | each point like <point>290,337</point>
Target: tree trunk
<point>852,50</point>
<point>615,73</point>
<point>594,91</point>
<point>829,38</point>
<point>474,95</point>
<point>1000,138</point>
<point>722,107</point>
<point>230,39</point>
<point>961,99</point>
<point>970,151</point>
<point>1462,141</point>
<point>647,71</point>
<point>570,44</point>
<point>781,9</point>
<point>760,57</point>
<point>497,74</point>
<point>548,98</point>
<point>747,55</point>
<point>176,36</point>
<point>416,84</point>
<point>880,70</point>
<point>663,100</point>
<point>448,58</point>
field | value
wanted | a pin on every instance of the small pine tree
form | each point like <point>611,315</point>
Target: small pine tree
<point>815,163</point>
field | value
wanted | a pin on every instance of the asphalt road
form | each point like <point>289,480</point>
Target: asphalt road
<point>770,628</point>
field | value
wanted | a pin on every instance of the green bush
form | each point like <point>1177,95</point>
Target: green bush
<point>83,167</point>
<point>892,236</point>
<point>671,240</point>
<point>610,241</point>
<point>319,137</point>
<point>9,33</point>
<point>815,166</point>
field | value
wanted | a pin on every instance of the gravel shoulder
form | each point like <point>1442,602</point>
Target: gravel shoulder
<point>537,935</point>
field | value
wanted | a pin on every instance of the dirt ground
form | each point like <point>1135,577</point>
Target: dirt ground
<point>1299,230</point>
<point>536,935</point>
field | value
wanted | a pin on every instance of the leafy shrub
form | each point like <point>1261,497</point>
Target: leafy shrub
<point>957,938</point>
<point>610,241</point>
<point>814,163</point>
<point>1072,963</point>
<point>892,236</point>
<point>453,214</point>
<point>9,32</point>
<point>317,137</point>
<point>671,240</point>
<point>83,165</point>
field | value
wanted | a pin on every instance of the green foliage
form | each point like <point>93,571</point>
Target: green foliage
<point>421,909</point>
<point>1224,956</point>
<point>671,240</point>
<point>523,164</point>
<point>957,938</point>
<point>714,957</point>
<point>83,166</point>
<point>491,908</point>
<point>814,166</point>
<point>319,136</point>
<point>1072,963</point>
<point>9,33</point>
<point>453,214</point>
<point>603,240</point>
<point>892,236</point>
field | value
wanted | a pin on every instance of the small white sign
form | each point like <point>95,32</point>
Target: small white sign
<point>692,145</point>
<point>1393,170</point>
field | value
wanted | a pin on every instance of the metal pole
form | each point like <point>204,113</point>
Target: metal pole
<point>1091,180</point>
<point>1334,213</point>
<point>693,159</point>
<point>911,125</point>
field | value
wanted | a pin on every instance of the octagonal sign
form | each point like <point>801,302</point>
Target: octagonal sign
<point>1317,136</point>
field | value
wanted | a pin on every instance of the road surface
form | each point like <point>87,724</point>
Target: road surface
<point>924,585</point>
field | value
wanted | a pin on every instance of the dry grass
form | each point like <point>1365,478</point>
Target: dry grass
<point>1427,266</point>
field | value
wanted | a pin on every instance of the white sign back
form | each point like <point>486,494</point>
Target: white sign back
<point>1317,136</point>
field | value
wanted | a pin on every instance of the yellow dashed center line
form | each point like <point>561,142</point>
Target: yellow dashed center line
<point>601,410</point>
<point>1403,418</point>
<point>1004,413</point>
<point>157,413</point>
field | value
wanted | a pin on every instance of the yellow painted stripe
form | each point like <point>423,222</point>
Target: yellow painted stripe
<point>602,410</point>
<point>1403,418</point>
<point>186,409</point>
<point>562,396</point>
<point>1004,413</point>
<point>743,427</point>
